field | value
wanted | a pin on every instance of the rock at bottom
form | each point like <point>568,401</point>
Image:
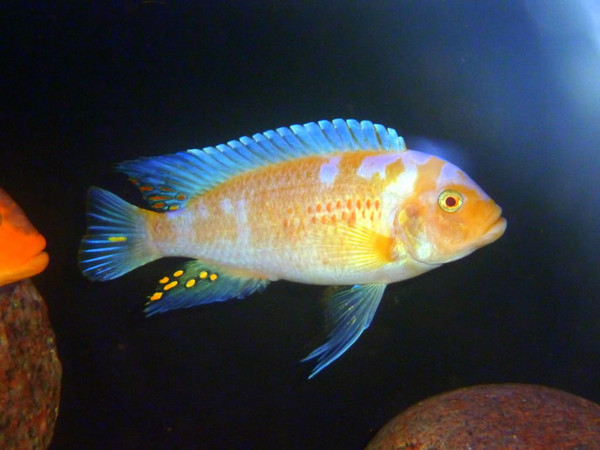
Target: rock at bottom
<point>496,416</point>
<point>30,371</point>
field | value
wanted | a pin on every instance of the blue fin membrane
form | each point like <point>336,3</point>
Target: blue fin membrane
<point>197,283</point>
<point>168,182</point>
<point>115,241</point>
<point>349,312</point>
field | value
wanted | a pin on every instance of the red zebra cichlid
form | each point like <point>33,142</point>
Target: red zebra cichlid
<point>332,203</point>
<point>22,252</point>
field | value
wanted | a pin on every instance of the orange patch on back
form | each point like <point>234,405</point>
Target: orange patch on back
<point>394,169</point>
<point>427,174</point>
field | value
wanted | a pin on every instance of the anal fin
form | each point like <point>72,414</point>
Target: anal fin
<point>349,312</point>
<point>197,283</point>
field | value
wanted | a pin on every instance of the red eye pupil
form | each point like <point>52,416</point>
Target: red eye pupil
<point>450,202</point>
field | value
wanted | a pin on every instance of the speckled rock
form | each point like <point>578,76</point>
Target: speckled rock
<point>501,416</point>
<point>30,371</point>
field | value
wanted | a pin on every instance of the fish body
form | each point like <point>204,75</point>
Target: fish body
<point>21,246</point>
<point>334,203</point>
<point>293,220</point>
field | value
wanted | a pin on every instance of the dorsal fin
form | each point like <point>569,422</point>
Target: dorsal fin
<point>168,182</point>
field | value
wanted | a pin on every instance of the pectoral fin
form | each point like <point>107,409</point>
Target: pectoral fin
<point>353,246</point>
<point>349,312</point>
<point>367,249</point>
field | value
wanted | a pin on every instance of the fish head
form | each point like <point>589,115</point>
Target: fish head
<point>21,246</point>
<point>447,215</point>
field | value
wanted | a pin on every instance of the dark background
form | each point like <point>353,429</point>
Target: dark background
<point>511,88</point>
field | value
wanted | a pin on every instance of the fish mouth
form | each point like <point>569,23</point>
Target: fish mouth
<point>32,267</point>
<point>495,230</point>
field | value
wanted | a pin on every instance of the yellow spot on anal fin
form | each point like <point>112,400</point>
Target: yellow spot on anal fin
<point>117,238</point>
<point>163,280</point>
<point>173,207</point>
<point>178,273</point>
<point>203,274</point>
<point>171,285</point>
<point>190,283</point>
<point>213,276</point>
<point>158,197</point>
<point>156,296</point>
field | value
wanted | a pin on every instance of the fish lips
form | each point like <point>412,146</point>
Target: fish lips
<point>494,232</point>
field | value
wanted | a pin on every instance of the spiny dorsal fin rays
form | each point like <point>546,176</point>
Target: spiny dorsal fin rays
<point>349,312</point>
<point>312,136</point>
<point>168,182</point>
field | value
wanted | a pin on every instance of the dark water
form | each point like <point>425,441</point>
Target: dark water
<point>511,86</point>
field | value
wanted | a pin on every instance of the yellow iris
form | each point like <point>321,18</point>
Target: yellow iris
<point>450,201</point>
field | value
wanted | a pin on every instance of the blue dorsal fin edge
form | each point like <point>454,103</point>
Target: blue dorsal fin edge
<point>168,182</point>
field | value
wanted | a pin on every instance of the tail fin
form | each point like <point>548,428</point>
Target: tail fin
<point>116,241</point>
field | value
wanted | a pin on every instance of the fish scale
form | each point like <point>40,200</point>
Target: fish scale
<point>272,233</point>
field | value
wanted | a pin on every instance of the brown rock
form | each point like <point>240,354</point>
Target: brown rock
<point>30,371</point>
<point>501,416</point>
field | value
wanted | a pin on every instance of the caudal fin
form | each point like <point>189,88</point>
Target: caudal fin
<point>116,240</point>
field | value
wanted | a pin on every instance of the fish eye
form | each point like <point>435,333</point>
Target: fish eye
<point>450,201</point>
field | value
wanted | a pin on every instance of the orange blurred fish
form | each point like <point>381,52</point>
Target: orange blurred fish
<point>21,246</point>
<point>333,203</point>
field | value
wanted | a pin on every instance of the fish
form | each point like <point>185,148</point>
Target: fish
<point>21,245</point>
<point>340,203</point>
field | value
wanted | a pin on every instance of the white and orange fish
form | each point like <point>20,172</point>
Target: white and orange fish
<point>332,203</point>
<point>21,246</point>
